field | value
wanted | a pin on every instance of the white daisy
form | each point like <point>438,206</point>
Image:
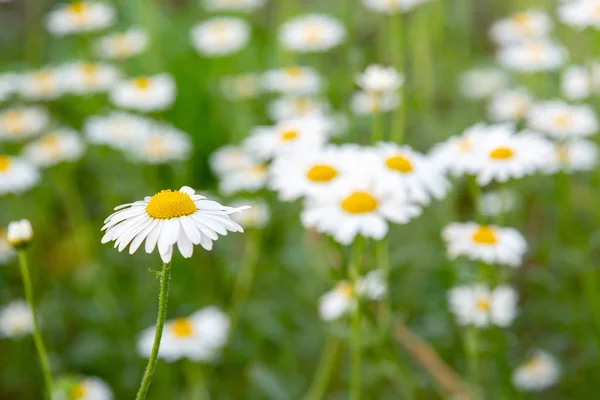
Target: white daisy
<point>311,33</point>
<point>521,26</point>
<point>60,145</point>
<point>257,216</point>
<point>488,243</point>
<point>575,83</point>
<point>580,13</point>
<point>19,233</point>
<point>509,105</point>
<point>250,178</point>
<point>118,130</point>
<point>233,5</point>
<point>47,83</point>
<point>16,319</point>
<point>378,79</point>
<point>16,175</point>
<point>122,45</point>
<point>363,103</point>
<point>20,123</point>
<point>393,6</point>
<point>7,252</point>
<point>79,16</point>
<point>9,84</point>
<point>481,306</point>
<point>560,120</point>
<point>481,83</point>
<point>241,87</point>
<point>572,156</point>
<point>293,80</point>
<point>145,94</point>
<point>168,218</point>
<point>289,107</point>
<point>88,388</point>
<point>85,77</point>
<point>228,159</point>
<point>161,144</point>
<point>532,56</point>
<point>220,36</point>
<point>498,202</point>
<point>538,373</point>
<point>198,337</point>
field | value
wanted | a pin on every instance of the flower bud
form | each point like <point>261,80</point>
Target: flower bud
<point>20,233</point>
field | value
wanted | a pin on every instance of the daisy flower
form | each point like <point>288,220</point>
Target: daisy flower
<point>87,388</point>
<point>16,175</point>
<point>358,208</point>
<point>572,156</point>
<point>532,56</point>
<point>8,85</point>
<point>497,202</point>
<point>580,13</point>
<point>169,217</point>
<point>575,83</point>
<point>392,6</point>
<point>293,80</point>
<point>118,130</point>
<point>560,120</point>
<point>20,123</point>
<point>162,144</point>
<point>228,159</point>
<point>287,137</point>
<point>250,178</point>
<point>257,216</point>
<point>61,145</point>
<point>481,83</point>
<point>481,306</point>
<point>509,105</point>
<point>19,233</point>
<point>122,45</point>
<point>488,243</point>
<point>16,319</point>
<point>289,107</point>
<point>220,36</point>
<point>7,252</point>
<point>538,373</point>
<point>241,87</point>
<point>78,17</point>
<point>403,168</point>
<point>198,337</point>
<point>363,103</point>
<point>85,77</point>
<point>379,79</point>
<point>47,83</point>
<point>458,154</point>
<point>145,94</point>
<point>311,33</point>
<point>521,26</point>
<point>233,5</point>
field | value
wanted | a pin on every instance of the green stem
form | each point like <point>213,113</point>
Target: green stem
<point>471,350</point>
<point>383,262</point>
<point>397,55</point>
<point>165,278</point>
<point>37,336</point>
<point>355,345</point>
<point>377,127</point>
<point>245,276</point>
<point>475,191</point>
<point>322,377</point>
<point>196,388</point>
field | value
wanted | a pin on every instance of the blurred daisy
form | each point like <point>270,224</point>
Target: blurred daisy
<point>229,158</point>
<point>311,33</point>
<point>20,123</point>
<point>532,56</point>
<point>580,13</point>
<point>488,243</point>
<point>79,16</point>
<point>509,105</point>
<point>401,167</point>
<point>145,94</point>
<point>199,337</point>
<point>575,83</point>
<point>359,208</point>
<point>8,85</point>
<point>521,26</point>
<point>481,306</point>
<point>88,388</point>
<point>118,130</point>
<point>293,80</point>
<point>497,202</point>
<point>122,45</point>
<point>220,36</point>
<point>289,107</point>
<point>250,178</point>
<point>19,234</point>
<point>168,218</point>
<point>241,87</point>
<point>539,372</point>
<point>561,120</point>
<point>363,103</point>
<point>379,79</point>
<point>573,155</point>
<point>6,250</point>
<point>257,216</point>
<point>16,175</point>
<point>392,6</point>
<point>162,144</point>
<point>61,145</point>
<point>44,84</point>
<point>287,137</point>
<point>481,83</point>
<point>16,319</point>
<point>233,5</point>
<point>85,77</point>
<point>458,154</point>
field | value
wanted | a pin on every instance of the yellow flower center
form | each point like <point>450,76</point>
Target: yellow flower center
<point>321,173</point>
<point>170,204</point>
<point>142,83</point>
<point>562,153</point>
<point>502,153</point>
<point>79,391</point>
<point>399,163</point>
<point>156,146</point>
<point>534,365</point>
<point>120,44</point>
<point>4,163</point>
<point>14,121</point>
<point>522,22</point>
<point>485,235</point>
<point>50,143</point>
<point>90,72</point>
<point>359,203</point>
<point>302,105</point>
<point>345,289</point>
<point>562,120</point>
<point>294,72</point>
<point>313,33</point>
<point>289,135</point>
<point>182,328</point>
<point>464,146</point>
<point>258,170</point>
<point>482,304</point>
<point>535,50</point>
<point>596,11</point>
<point>78,7</point>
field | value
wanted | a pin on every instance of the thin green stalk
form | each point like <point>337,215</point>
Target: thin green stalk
<point>472,350</point>
<point>475,191</point>
<point>383,262</point>
<point>397,55</point>
<point>37,336</point>
<point>163,297</point>
<point>245,276</point>
<point>377,127</point>
<point>318,387</point>
<point>195,381</point>
<point>355,340</point>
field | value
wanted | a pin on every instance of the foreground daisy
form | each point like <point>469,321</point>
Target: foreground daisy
<point>488,243</point>
<point>521,26</point>
<point>311,33</point>
<point>296,80</point>
<point>85,77</point>
<point>539,372</point>
<point>79,16</point>
<point>198,337</point>
<point>379,79</point>
<point>15,320</point>
<point>87,388</point>
<point>220,36</point>
<point>61,145</point>
<point>16,175</point>
<point>122,45</point>
<point>170,218</point>
<point>480,83</point>
<point>481,306</point>
<point>561,120</point>
<point>532,56</point>
<point>20,123</point>
<point>145,94</point>
<point>509,105</point>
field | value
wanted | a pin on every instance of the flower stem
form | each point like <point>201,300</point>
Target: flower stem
<point>37,336</point>
<point>322,376</point>
<point>165,277</point>
<point>355,345</point>
<point>383,262</point>
<point>245,276</point>
<point>471,350</point>
<point>195,381</point>
<point>397,56</point>
<point>377,127</point>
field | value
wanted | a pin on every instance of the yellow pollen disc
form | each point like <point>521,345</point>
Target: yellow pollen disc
<point>562,120</point>
<point>156,146</point>
<point>142,83</point>
<point>562,153</point>
<point>78,7</point>
<point>4,163</point>
<point>596,11</point>
<point>485,235</point>
<point>170,204</point>
<point>359,203</point>
<point>464,146</point>
<point>182,328</point>
<point>219,28</point>
<point>534,364</point>
<point>399,163</point>
<point>302,105</point>
<point>90,72</point>
<point>258,170</point>
<point>50,143</point>
<point>535,50</point>
<point>289,135</point>
<point>42,76</point>
<point>482,304</point>
<point>522,22</point>
<point>79,391</point>
<point>294,72</point>
<point>345,288</point>
<point>321,173</point>
<point>502,153</point>
<point>313,33</point>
